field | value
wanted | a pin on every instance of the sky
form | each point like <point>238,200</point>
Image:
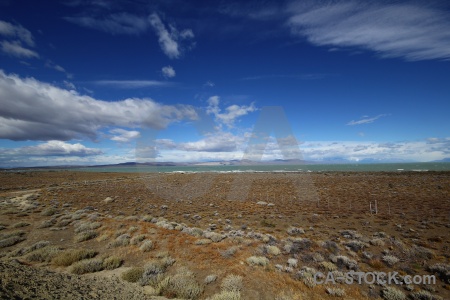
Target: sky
<point>88,82</point>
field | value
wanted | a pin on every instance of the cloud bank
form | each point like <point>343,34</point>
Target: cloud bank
<point>33,110</point>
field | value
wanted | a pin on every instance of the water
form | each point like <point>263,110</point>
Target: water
<point>390,167</point>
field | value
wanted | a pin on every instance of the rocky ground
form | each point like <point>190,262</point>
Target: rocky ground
<point>221,236</point>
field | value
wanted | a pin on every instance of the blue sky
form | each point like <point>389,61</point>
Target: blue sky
<point>98,82</point>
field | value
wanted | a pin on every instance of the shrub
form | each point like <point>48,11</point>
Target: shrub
<point>21,224</point>
<point>85,235</point>
<point>356,245</point>
<point>10,241</point>
<point>49,211</point>
<point>45,254</point>
<point>232,283</point>
<point>153,273</point>
<point>147,245</point>
<point>87,226</point>
<point>47,223</point>
<point>295,231</point>
<point>182,285</point>
<point>87,266</point>
<point>377,242</point>
<point>292,262</point>
<point>133,229</point>
<point>133,274</point>
<point>224,295</point>
<point>112,262</point>
<point>121,240</point>
<point>390,260</point>
<point>273,250</point>
<point>210,279</point>
<point>257,261</point>
<point>137,239</point>
<point>203,242</point>
<point>336,292</point>
<point>35,246</point>
<point>229,252</point>
<point>424,295</point>
<point>443,271</point>
<point>391,293</point>
<point>328,266</point>
<point>68,257</point>
<point>344,261</point>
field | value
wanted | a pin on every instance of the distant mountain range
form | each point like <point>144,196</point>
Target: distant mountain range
<point>236,162</point>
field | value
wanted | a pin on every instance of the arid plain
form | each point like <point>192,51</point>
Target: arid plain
<point>222,235</point>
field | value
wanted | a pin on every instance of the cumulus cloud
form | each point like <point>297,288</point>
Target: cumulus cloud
<point>124,136</point>
<point>53,148</point>
<point>19,36</point>
<point>170,39</point>
<point>231,114</point>
<point>413,31</point>
<point>365,120</point>
<point>34,110</point>
<point>168,72</point>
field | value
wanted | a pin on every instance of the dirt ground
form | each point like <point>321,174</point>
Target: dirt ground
<point>212,223</point>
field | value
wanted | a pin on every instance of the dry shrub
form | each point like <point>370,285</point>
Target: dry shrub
<point>45,254</point>
<point>85,236</point>
<point>112,262</point>
<point>133,274</point>
<point>87,266</point>
<point>70,256</point>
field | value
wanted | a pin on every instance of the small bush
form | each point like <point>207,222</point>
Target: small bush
<point>49,211</point>
<point>137,239</point>
<point>336,292</point>
<point>87,226</point>
<point>273,250</point>
<point>26,250</point>
<point>210,279</point>
<point>85,236</point>
<point>146,246</point>
<point>391,293</point>
<point>203,242</point>
<point>87,266</point>
<point>68,257</point>
<point>133,274</point>
<point>133,229</point>
<point>257,261</point>
<point>153,273</point>
<point>292,262</point>
<point>443,271</point>
<point>47,223</point>
<point>356,245</point>
<point>224,295</point>
<point>11,241</point>
<point>182,285</point>
<point>21,224</point>
<point>229,252</point>
<point>295,231</point>
<point>424,295</point>
<point>121,240</point>
<point>377,242</point>
<point>328,266</point>
<point>112,262</point>
<point>390,260</point>
<point>232,283</point>
<point>45,254</point>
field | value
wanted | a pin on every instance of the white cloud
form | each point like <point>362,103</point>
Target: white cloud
<point>16,31</point>
<point>34,110</point>
<point>16,49</point>
<point>231,114</point>
<point>412,31</point>
<point>365,120</point>
<point>121,23</point>
<point>53,148</point>
<point>170,41</point>
<point>133,84</point>
<point>168,72</point>
<point>124,136</point>
<point>209,84</point>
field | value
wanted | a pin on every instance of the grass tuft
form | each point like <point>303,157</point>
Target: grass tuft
<point>87,266</point>
<point>70,256</point>
<point>133,274</point>
<point>112,262</point>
